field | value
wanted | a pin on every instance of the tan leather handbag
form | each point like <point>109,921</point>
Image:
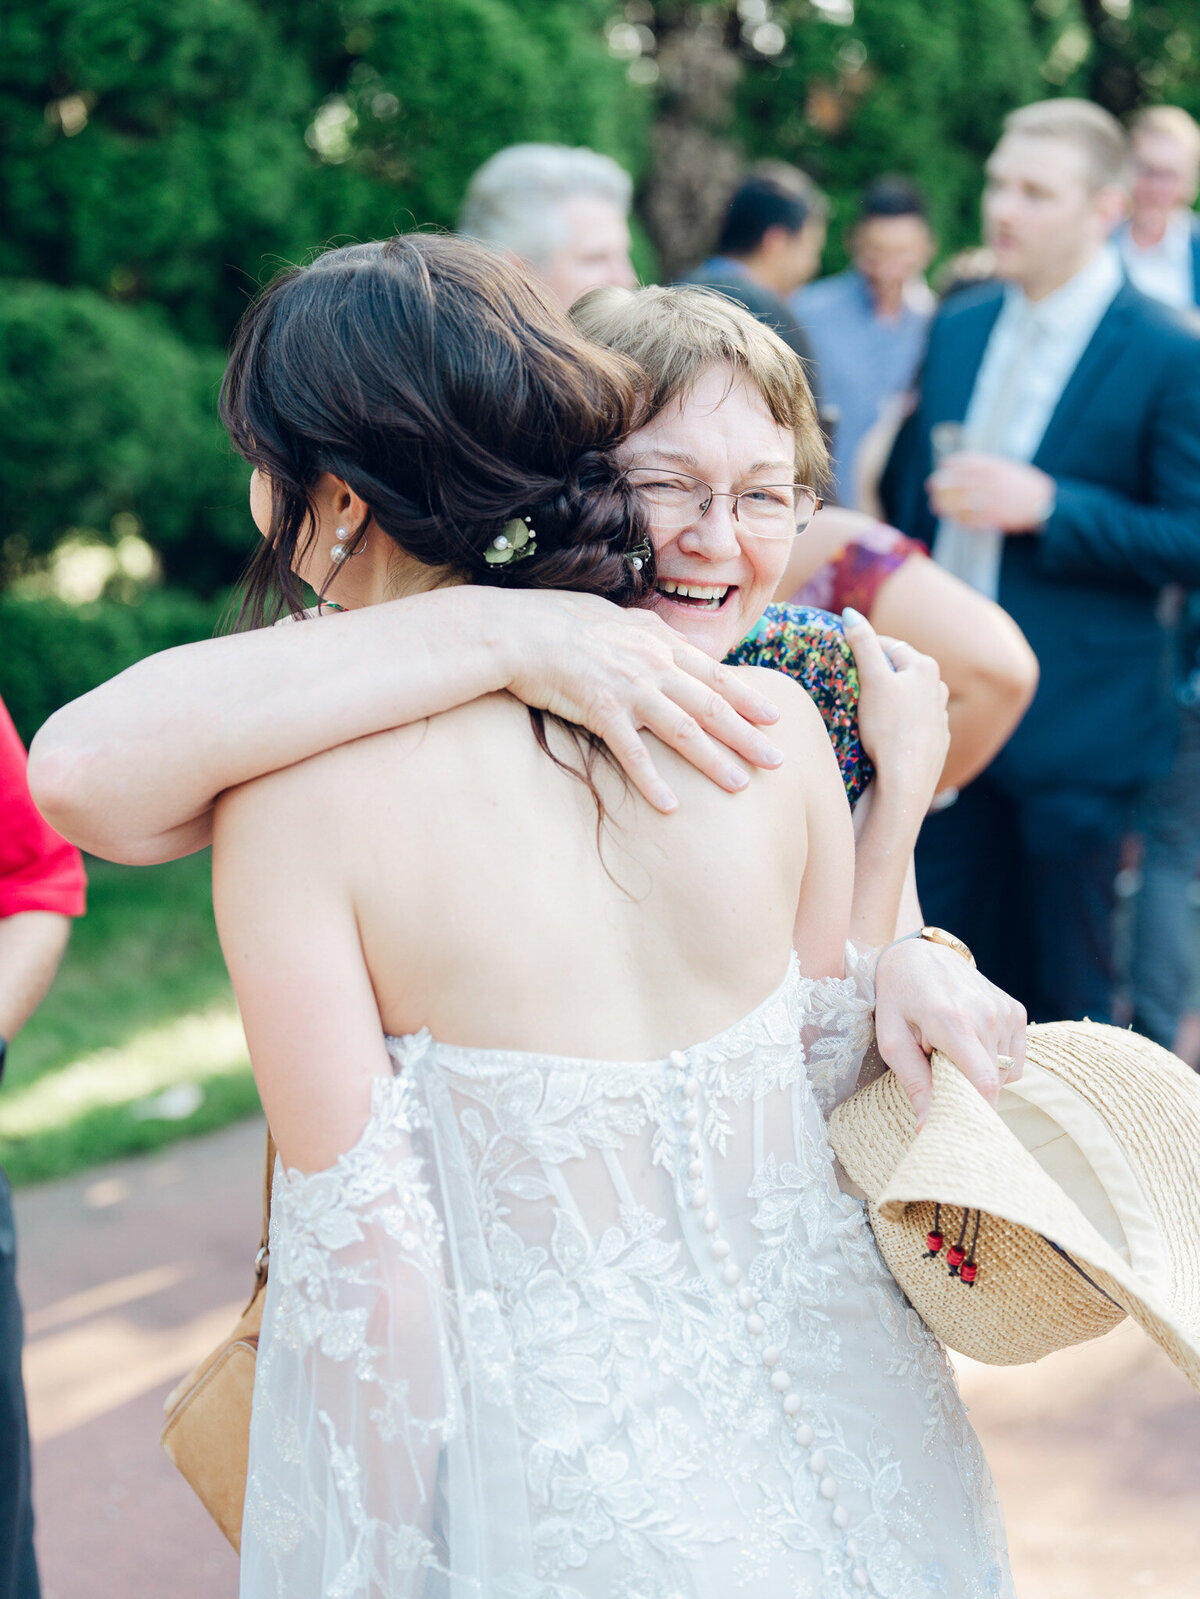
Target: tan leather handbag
<point>207,1431</point>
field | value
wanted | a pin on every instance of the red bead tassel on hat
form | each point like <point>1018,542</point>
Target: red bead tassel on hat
<point>970,1270</point>
<point>934,1239</point>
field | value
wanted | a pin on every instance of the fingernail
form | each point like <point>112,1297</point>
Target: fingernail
<point>767,712</point>
<point>770,756</point>
<point>664,800</point>
<point>735,777</point>
<point>853,618</point>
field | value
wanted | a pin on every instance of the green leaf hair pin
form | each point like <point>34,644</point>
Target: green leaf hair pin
<point>516,543</point>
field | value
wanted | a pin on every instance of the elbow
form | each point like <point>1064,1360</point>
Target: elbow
<point>986,709</point>
<point>61,781</point>
<point>66,782</point>
<point>1012,679</point>
<point>1003,675</point>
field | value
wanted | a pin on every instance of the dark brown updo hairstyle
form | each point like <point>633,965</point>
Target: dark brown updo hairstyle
<point>451,395</point>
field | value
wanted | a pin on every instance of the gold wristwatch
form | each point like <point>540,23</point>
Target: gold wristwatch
<point>939,935</point>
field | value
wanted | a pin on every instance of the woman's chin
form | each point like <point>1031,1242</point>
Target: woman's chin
<point>715,629</point>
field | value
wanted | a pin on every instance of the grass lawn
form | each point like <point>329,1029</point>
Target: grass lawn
<point>138,1042</point>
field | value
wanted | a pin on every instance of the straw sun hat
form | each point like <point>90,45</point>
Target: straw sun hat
<point>1076,1204</point>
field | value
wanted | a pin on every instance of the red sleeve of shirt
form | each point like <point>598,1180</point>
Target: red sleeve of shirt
<point>39,870</point>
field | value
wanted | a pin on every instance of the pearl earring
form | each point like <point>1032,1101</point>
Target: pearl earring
<point>339,552</point>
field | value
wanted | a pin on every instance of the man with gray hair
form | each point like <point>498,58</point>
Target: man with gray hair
<point>562,212</point>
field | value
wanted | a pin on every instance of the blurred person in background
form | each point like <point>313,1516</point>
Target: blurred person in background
<point>868,325</point>
<point>771,243</point>
<point>1160,243</point>
<point>847,560</point>
<point>563,212</point>
<point>1065,408</point>
<point>41,887</point>
<point>1162,963</point>
<point>1160,246</point>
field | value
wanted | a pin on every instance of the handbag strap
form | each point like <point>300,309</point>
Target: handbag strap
<point>262,1260</point>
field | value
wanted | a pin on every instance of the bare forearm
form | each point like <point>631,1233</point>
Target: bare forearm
<point>130,771</point>
<point>985,661</point>
<point>884,878</point>
<point>911,916</point>
<point>983,714</point>
<point>31,946</point>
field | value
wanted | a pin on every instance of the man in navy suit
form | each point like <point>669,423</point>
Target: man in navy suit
<point>1063,409</point>
<point>1160,249</point>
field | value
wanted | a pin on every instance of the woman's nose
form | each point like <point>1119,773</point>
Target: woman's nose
<point>714,535</point>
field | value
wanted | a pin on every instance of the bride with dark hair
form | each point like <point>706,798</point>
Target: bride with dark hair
<point>565,1301</point>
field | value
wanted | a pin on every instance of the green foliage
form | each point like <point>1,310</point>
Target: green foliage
<point>105,410</point>
<point>53,652</point>
<point>155,152</point>
<point>494,72</point>
<point>918,87</point>
<point>161,161</point>
<point>1152,55</point>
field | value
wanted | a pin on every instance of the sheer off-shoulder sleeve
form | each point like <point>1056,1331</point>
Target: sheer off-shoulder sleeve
<point>838,1027</point>
<point>810,646</point>
<point>362,1454</point>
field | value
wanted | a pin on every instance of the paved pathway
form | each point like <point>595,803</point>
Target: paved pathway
<point>132,1272</point>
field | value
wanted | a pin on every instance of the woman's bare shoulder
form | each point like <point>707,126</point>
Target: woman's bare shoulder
<point>810,765</point>
<point>798,714</point>
<point>310,795</point>
<point>348,772</point>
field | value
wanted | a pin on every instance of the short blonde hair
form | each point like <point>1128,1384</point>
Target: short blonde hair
<point>1092,130</point>
<point>677,334</point>
<point>1173,122</point>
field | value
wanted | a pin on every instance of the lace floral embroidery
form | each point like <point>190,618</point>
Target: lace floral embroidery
<point>500,1356</point>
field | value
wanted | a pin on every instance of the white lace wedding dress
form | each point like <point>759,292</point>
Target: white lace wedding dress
<point>578,1329</point>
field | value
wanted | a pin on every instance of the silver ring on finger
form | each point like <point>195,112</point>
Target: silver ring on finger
<point>1004,1064</point>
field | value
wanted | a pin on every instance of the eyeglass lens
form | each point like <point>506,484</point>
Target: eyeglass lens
<point>673,499</point>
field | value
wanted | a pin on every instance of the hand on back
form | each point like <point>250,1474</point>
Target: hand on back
<point>621,673</point>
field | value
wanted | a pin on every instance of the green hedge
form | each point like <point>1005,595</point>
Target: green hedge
<point>161,161</point>
<point>105,410</point>
<point>51,652</point>
<point>171,153</point>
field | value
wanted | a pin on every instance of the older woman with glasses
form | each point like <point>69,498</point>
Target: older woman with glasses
<point>131,770</point>
<point>724,508</point>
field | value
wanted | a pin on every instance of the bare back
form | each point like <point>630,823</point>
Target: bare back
<point>458,867</point>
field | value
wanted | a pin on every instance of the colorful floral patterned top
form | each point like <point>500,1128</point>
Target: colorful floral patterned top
<point>810,646</point>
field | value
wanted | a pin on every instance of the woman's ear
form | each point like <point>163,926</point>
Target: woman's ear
<point>338,505</point>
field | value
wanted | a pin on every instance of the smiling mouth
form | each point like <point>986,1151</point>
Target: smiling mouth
<point>695,596</point>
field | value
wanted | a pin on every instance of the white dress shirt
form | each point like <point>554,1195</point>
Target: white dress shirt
<point>1033,349</point>
<point>1162,270</point>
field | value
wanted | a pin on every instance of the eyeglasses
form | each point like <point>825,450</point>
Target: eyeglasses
<point>769,511</point>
